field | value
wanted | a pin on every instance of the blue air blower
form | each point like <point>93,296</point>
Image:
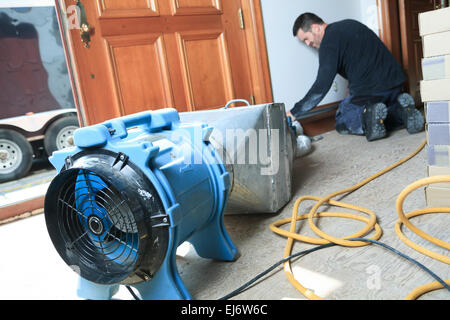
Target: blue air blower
<point>134,188</point>
<point>128,195</point>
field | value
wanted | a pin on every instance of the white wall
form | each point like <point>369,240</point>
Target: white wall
<point>293,65</point>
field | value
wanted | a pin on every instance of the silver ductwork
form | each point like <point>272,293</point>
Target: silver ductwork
<point>258,148</point>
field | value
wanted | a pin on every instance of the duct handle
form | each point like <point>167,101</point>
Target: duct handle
<point>235,101</point>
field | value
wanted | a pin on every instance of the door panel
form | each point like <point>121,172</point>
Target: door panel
<point>133,59</point>
<point>153,54</point>
<point>204,76</point>
<point>193,7</point>
<point>129,8</point>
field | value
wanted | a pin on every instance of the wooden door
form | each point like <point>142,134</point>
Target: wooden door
<point>412,52</point>
<point>152,54</point>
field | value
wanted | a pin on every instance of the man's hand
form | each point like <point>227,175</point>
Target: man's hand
<point>289,114</point>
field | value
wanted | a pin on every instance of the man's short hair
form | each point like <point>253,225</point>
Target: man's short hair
<point>305,21</point>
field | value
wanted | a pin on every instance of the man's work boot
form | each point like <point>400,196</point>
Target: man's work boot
<point>411,117</point>
<point>373,119</point>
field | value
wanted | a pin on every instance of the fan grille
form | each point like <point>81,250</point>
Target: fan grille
<point>106,218</point>
<point>97,225</point>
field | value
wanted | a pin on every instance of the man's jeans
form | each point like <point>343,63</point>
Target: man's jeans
<point>349,115</point>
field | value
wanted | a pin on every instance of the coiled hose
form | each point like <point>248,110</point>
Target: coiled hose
<point>371,224</point>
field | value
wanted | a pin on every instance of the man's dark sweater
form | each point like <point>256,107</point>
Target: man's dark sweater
<point>352,50</point>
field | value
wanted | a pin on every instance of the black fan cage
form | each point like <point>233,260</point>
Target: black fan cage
<point>102,223</point>
<point>97,226</point>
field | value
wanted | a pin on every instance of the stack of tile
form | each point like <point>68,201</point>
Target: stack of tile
<point>435,90</point>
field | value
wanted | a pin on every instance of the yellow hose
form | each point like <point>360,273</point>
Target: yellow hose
<point>371,221</point>
<point>425,289</point>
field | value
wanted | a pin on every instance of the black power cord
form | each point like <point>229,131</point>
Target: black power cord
<point>132,293</point>
<point>246,285</point>
<point>305,252</point>
<point>262,274</point>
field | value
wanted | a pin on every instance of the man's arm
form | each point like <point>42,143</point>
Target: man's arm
<point>290,115</point>
<point>328,60</point>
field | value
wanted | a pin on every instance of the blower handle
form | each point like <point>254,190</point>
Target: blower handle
<point>149,121</point>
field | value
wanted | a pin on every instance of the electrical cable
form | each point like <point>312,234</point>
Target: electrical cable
<point>132,293</point>
<point>439,284</point>
<point>435,276</point>
<point>262,274</point>
<point>359,241</point>
<point>403,219</point>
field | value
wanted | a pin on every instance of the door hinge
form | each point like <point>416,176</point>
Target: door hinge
<point>241,18</point>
